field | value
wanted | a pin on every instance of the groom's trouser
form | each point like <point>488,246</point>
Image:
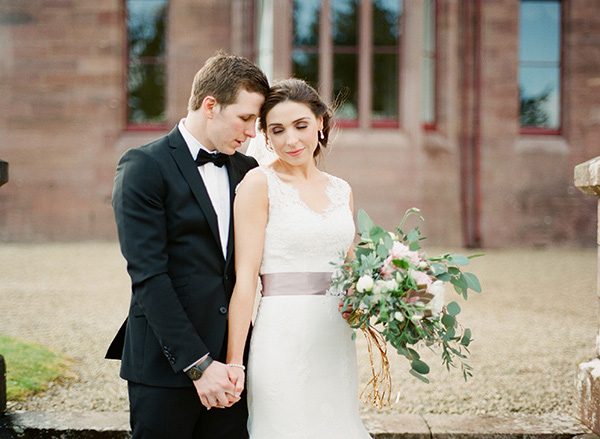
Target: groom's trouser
<point>176,413</point>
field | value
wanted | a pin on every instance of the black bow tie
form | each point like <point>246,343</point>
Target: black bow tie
<point>218,159</point>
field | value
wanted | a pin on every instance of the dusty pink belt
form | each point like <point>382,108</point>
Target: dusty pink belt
<point>295,284</point>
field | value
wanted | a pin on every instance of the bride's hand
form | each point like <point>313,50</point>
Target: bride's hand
<point>237,376</point>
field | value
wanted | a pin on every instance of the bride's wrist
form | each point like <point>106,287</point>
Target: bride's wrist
<point>238,365</point>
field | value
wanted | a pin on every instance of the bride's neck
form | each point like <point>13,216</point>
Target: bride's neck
<point>305,171</point>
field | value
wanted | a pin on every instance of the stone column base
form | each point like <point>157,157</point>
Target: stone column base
<point>588,387</point>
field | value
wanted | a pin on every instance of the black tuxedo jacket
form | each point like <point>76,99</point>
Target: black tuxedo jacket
<point>181,283</point>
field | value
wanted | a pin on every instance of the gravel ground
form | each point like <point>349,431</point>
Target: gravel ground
<point>535,321</point>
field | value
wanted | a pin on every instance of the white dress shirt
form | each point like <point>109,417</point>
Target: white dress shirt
<point>216,181</point>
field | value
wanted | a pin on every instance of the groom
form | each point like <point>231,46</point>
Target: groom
<point>173,200</point>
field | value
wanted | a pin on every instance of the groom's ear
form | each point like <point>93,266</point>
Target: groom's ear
<point>209,106</point>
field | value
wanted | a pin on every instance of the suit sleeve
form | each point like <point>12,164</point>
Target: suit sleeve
<point>138,202</point>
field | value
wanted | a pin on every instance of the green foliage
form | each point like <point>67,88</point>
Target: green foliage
<point>392,267</point>
<point>30,367</point>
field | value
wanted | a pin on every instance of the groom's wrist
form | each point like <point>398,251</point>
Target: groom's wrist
<point>195,372</point>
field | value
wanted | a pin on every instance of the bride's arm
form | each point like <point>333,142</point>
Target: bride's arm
<point>250,209</point>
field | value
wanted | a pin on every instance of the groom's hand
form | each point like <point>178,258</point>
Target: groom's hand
<point>237,377</point>
<point>214,388</point>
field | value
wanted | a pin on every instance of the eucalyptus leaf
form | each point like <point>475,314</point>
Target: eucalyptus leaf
<point>448,320</point>
<point>459,259</point>
<point>414,246</point>
<point>365,224</point>
<point>472,282</point>
<point>412,236</point>
<point>420,367</point>
<point>382,251</point>
<point>453,308</point>
<point>437,269</point>
<point>419,376</point>
<point>444,277</point>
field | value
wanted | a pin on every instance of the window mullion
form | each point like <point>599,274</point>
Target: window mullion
<point>365,63</point>
<point>326,53</point>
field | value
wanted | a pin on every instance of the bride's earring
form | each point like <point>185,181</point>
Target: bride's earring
<point>268,145</point>
<point>321,136</point>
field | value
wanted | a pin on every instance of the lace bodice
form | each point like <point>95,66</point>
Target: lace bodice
<point>299,239</point>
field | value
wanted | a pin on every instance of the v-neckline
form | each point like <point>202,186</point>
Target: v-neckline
<point>328,188</point>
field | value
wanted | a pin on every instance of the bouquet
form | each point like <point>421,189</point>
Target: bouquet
<point>395,294</point>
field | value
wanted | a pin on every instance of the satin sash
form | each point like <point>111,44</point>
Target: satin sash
<point>295,284</point>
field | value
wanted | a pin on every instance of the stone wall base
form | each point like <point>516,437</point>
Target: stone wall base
<point>588,387</point>
<point>2,385</point>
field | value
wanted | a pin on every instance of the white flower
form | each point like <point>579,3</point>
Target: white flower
<point>438,290</point>
<point>399,316</point>
<point>365,283</point>
<point>416,318</point>
<point>392,285</point>
<point>423,265</point>
<point>393,236</point>
<point>379,286</point>
<point>363,306</point>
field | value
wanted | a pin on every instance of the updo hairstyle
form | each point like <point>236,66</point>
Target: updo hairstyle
<point>297,90</point>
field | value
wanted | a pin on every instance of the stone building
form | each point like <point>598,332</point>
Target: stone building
<point>476,111</point>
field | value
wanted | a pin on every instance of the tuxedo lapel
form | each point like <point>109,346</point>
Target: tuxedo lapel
<point>181,154</point>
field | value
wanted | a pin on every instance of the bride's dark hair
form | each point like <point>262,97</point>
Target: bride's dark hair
<point>297,90</point>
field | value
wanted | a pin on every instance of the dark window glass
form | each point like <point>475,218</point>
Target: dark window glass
<point>386,16</point>
<point>345,85</point>
<point>305,56</point>
<point>146,22</point>
<point>345,22</point>
<point>385,86</point>
<point>539,63</point>
<point>306,66</point>
<point>306,22</point>
<point>386,37</point>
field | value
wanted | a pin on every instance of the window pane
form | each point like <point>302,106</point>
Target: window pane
<point>344,84</point>
<point>539,63</point>
<point>386,16</point>
<point>146,87</point>
<point>345,22</point>
<point>306,22</point>
<point>540,96</point>
<point>146,27</point>
<point>306,66</point>
<point>385,86</point>
<point>539,31</point>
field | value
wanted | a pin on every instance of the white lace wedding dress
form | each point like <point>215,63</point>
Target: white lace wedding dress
<point>302,372</point>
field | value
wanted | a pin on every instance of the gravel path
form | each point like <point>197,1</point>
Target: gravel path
<point>535,321</point>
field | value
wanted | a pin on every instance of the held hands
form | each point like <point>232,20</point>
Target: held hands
<point>217,388</point>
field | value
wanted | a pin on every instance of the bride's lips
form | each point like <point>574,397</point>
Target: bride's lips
<point>295,152</point>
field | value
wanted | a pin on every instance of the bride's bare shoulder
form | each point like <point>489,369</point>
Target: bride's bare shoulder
<point>254,183</point>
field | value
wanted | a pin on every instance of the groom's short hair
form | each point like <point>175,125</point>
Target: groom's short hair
<point>222,76</point>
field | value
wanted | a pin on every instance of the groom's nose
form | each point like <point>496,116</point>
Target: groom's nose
<point>250,130</point>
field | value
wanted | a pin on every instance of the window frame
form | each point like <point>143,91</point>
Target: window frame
<point>127,123</point>
<point>533,130</point>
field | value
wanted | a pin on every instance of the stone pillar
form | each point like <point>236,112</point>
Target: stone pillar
<point>587,180</point>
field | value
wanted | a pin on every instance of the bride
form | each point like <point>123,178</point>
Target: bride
<point>291,222</point>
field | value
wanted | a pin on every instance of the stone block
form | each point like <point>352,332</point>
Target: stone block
<point>588,389</point>
<point>587,177</point>
<point>2,385</point>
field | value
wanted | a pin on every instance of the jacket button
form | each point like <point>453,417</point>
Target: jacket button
<point>226,278</point>
<point>223,310</point>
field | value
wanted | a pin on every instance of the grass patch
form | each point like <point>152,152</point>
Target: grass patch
<point>30,367</point>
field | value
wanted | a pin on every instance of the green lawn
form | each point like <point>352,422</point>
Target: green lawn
<point>30,367</point>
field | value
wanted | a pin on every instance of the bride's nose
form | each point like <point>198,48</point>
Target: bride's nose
<point>291,139</point>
